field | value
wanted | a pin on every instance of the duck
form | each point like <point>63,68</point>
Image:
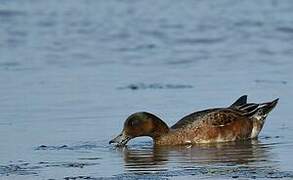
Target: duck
<point>239,121</point>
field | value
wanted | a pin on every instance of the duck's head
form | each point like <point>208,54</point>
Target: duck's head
<point>140,124</point>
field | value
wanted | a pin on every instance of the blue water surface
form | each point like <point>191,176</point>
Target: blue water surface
<point>72,71</point>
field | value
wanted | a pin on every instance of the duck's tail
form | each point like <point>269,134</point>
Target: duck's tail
<point>254,110</point>
<point>258,116</point>
<point>257,113</point>
<point>263,110</point>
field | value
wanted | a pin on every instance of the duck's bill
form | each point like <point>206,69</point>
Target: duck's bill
<point>120,140</point>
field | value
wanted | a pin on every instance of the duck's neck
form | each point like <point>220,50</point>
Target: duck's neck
<point>159,128</point>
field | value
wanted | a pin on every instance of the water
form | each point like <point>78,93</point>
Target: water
<point>72,71</point>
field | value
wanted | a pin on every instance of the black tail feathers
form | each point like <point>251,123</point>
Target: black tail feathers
<point>240,101</point>
<point>259,111</point>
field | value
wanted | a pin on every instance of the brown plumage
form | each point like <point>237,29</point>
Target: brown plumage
<point>239,121</point>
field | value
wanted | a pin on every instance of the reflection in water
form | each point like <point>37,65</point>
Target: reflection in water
<point>144,159</point>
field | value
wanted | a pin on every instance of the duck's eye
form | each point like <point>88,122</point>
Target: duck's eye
<point>135,123</point>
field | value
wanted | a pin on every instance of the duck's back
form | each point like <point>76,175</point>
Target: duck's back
<point>196,117</point>
<point>217,117</point>
<point>193,118</point>
<point>239,108</point>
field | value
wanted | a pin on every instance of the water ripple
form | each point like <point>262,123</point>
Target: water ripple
<point>200,40</point>
<point>139,86</point>
<point>287,30</point>
<point>6,13</point>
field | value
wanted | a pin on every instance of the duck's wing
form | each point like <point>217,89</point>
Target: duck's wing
<point>191,118</point>
<point>212,117</point>
<point>241,104</point>
<point>238,104</point>
<point>224,117</point>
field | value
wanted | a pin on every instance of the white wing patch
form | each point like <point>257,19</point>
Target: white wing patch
<point>188,142</point>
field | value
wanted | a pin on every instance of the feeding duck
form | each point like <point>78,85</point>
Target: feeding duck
<point>240,121</point>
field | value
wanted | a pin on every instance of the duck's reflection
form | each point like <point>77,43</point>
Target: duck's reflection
<point>148,158</point>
